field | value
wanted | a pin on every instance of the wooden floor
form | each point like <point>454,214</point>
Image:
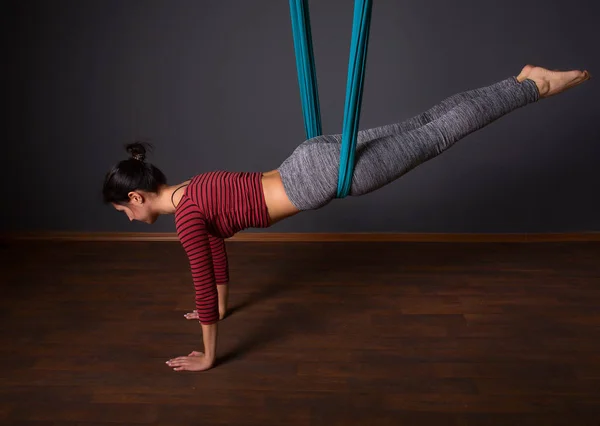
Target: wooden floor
<point>319,334</point>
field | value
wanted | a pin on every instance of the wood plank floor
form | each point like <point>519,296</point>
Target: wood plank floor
<point>318,334</point>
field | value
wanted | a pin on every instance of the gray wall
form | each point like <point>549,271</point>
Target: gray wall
<point>213,86</point>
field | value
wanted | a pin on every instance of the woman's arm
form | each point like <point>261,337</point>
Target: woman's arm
<point>221,271</point>
<point>209,336</point>
<point>191,228</point>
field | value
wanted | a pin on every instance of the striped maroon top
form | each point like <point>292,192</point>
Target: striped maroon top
<point>215,206</point>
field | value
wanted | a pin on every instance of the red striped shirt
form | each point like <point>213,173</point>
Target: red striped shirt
<point>215,206</point>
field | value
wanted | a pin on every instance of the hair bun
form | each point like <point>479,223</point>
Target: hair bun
<point>137,150</point>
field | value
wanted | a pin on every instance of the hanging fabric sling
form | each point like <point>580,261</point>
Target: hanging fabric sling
<point>307,80</point>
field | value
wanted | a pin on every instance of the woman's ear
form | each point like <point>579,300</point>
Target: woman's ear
<point>135,198</point>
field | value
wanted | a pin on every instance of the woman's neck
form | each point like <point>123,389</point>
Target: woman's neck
<point>169,197</point>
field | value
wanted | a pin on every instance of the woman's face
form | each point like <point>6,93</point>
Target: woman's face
<point>137,209</point>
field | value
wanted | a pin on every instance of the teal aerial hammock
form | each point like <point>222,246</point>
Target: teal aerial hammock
<point>307,80</point>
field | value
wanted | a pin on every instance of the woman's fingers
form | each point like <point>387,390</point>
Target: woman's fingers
<point>177,362</point>
<point>192,363</point>
<point>180,363</point>
<point>180,367</point>
<point>192,315</point>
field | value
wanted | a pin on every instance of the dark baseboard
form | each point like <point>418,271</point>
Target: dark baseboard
<point>312,237</point>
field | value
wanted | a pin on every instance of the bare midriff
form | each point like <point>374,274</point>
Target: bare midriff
<point>278,203</point>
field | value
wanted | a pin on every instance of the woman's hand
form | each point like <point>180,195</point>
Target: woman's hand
<point>194,314</point>
<point>195,361</point>
<point>198,361</point>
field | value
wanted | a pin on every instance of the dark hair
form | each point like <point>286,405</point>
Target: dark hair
<point>131,175</point>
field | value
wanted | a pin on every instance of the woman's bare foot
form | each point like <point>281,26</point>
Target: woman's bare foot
<point>551,83</point>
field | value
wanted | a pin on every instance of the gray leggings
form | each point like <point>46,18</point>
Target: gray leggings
<point>383,154</point>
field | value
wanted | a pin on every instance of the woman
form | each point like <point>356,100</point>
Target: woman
<point>215,205</point>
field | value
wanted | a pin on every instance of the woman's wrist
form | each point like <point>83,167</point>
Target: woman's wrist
<point>209,336</point>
